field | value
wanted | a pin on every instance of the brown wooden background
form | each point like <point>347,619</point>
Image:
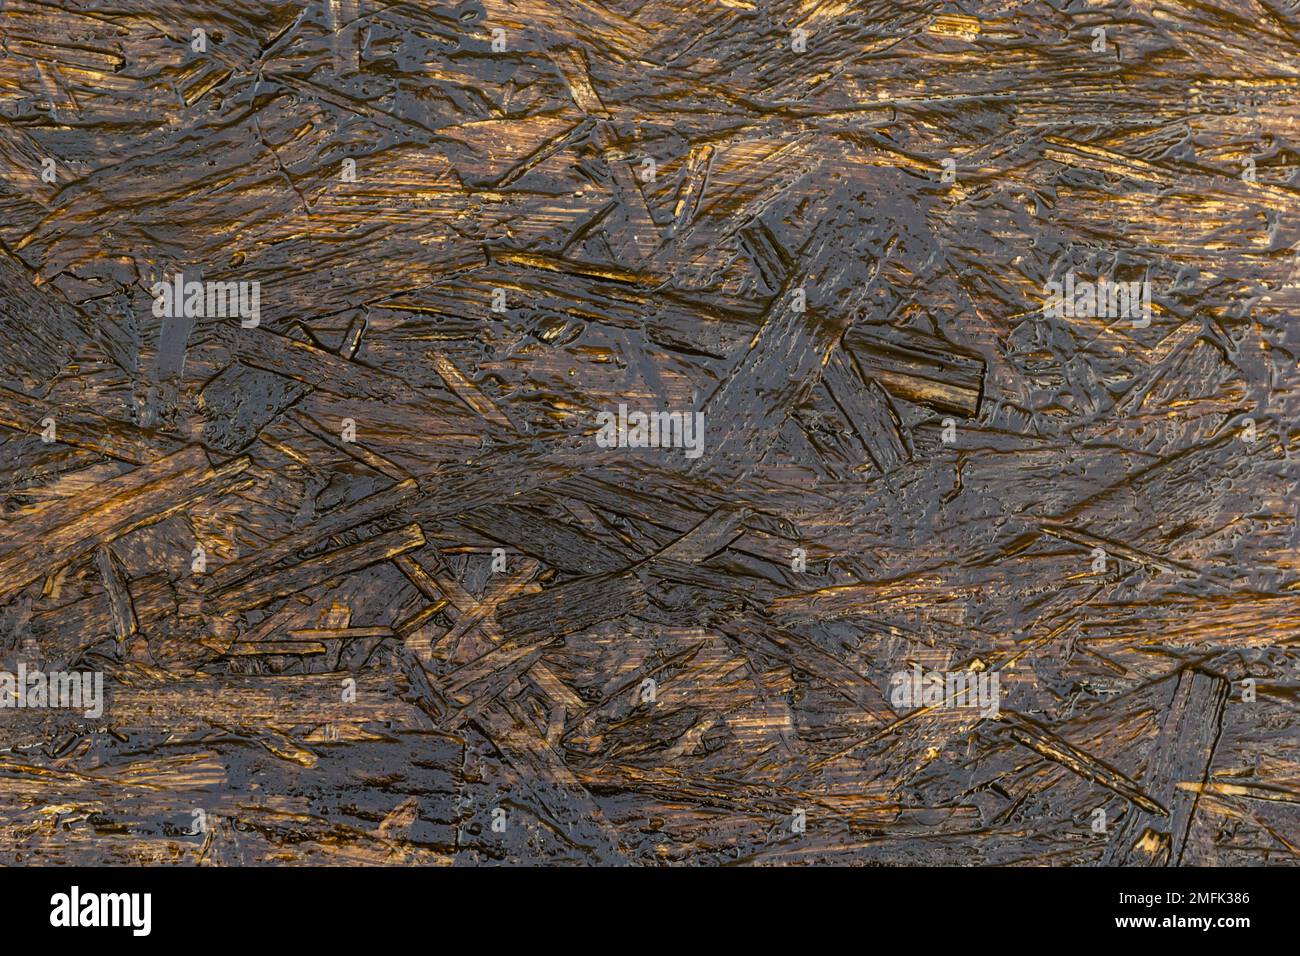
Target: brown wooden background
<point>370,561</point>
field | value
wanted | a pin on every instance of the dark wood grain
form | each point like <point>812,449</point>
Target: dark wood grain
<point>366,583</point>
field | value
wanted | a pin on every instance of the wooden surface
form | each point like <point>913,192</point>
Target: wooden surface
<point>354,678</point>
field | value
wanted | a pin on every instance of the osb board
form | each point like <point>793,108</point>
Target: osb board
<point>430,600</point>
